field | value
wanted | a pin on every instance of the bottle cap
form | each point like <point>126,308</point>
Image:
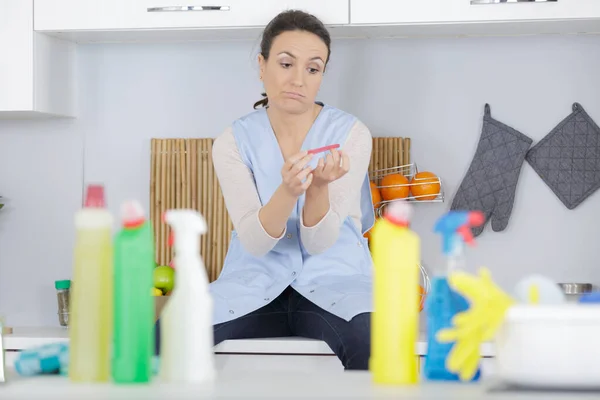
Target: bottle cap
<point>132,214</point>
<point>64,284</point>
<point>94,197</point>
<point>399,213</point>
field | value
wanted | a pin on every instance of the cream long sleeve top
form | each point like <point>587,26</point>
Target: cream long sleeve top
<point>243,203</point>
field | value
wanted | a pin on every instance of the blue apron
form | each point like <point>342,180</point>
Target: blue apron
<point>338,280</point>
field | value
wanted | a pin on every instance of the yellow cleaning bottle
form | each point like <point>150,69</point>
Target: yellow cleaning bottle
<point>91,318</point>
<point>395,320</point>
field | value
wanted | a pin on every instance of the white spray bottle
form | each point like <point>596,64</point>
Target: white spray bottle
<point>186,343</point>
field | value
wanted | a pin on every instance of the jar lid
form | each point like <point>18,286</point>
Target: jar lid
<point>64,284</point>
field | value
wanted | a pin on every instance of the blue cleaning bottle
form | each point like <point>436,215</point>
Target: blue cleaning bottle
<point>443,303</point>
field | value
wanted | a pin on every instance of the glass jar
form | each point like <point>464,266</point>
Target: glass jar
<point>63,289</point>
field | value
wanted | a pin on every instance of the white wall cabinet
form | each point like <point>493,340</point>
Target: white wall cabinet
<point>69,15</point>
<point>460,11</point>
<point>86,21</point>
<point>36,71</point>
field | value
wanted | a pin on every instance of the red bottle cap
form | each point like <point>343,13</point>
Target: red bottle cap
<point>132,214</point>
<point>399,212</point>
<point>94,197</point>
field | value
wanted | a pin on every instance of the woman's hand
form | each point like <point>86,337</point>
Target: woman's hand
<point>331,168</point>
<point>296,174</point>
<point>274,215</point>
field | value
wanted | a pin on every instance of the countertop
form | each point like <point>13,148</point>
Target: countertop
<point>23,338</point>
<point>276,385</point>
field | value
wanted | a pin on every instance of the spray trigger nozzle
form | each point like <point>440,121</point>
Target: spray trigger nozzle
<point>458,223</point>
<point>467,234</point>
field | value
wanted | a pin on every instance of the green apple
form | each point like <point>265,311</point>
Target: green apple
<point>164,278</point>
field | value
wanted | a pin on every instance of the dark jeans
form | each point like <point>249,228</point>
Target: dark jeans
<point>291,314</point>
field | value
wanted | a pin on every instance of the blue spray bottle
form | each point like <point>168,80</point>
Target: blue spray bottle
<point>442,302</point>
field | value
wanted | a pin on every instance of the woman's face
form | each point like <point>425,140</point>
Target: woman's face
<point>292,75</point>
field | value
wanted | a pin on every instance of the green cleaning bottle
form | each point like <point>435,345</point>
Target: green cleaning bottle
<point>133,338</point>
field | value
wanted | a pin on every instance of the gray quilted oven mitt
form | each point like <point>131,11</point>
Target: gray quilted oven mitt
<point>491,181</point>
<point>568,158</point>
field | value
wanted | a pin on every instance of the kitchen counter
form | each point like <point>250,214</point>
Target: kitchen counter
<point>23,338</point>
<point>276,385</point>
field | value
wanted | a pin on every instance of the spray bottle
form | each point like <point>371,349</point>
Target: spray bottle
<point>133,339</point>
<point>395,321</point>
<point>91,319</point>
<point>442,302</point>
<point>186,322</point>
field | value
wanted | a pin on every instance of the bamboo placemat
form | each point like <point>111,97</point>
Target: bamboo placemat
<point>182,176</point>
<point>388,154</point>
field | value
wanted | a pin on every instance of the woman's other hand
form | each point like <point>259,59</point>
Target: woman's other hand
<point>296,174</point>
<point>331,168</point>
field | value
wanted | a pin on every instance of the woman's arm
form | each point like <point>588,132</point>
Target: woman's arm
<point>241,197</point>
<point>274,215</point>
<point>295,179</point>
<point>258,227</point>
<point>316,205</point>
<point>329,169</point>
<point>325,209</point>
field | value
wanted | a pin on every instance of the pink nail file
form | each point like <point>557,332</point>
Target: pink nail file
<point>322,149</point>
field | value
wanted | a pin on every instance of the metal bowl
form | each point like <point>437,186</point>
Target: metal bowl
<point>573,291</point>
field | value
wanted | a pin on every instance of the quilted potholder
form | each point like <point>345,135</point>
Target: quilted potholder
<point>491,181</point>
<point>568,158</point>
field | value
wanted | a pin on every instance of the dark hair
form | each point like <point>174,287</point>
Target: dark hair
<point>291,20</point>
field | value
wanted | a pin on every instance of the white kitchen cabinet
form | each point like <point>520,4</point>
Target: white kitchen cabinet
<point>88,21</point>
<point>36,71</point>
<point>102,15</point>
<point>444,11</point>
<point>463,11</point>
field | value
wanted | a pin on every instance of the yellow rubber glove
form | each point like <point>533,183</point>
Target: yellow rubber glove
<point>488,304</point>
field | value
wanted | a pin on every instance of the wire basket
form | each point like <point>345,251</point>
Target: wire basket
<point>409,171</point>
<point>425,283</point>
